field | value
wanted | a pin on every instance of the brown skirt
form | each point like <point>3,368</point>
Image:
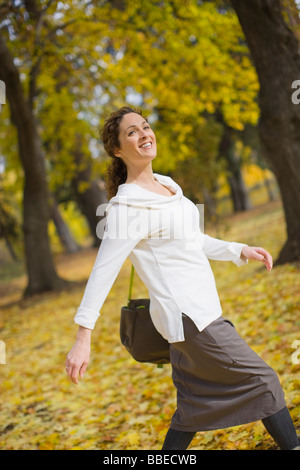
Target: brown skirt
<point>220,381</point>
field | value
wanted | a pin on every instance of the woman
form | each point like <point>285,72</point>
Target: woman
<point>220,381</point>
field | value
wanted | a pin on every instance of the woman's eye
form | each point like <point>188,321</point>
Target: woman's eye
<point>145,128</point>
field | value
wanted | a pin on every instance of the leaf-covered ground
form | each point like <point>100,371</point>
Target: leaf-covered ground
<point>121,404</point>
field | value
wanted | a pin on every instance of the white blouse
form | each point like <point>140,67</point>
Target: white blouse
<point>162,237</point>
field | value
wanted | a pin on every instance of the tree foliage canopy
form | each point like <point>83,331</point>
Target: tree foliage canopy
<point>181,61</point>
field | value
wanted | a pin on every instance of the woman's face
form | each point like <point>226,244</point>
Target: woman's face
<point>137,140</point>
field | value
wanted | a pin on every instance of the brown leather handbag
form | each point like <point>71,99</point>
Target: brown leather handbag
<point>138,333</point>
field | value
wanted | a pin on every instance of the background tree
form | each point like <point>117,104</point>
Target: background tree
<point>233,170</point>
<point>40,267</point>
<point>30,33</point>
<point>185,63</point>
<point>275,51</point>
<point>9,226</point>
<point>176,57</point>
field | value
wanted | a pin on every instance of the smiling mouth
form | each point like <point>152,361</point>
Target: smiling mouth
<point>146,145</point>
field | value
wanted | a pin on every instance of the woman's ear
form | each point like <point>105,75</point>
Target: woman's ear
<point>117,152</point>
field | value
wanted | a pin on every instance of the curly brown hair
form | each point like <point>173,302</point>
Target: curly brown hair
<point>116,173</point>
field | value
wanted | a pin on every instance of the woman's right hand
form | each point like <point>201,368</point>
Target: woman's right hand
<point>79,356</point>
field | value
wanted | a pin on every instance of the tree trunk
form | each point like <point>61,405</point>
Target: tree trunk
<point>238,190</point>
<point>88,201</point>
<point>62,229</point>
<point>239,193</point>
<point>91,197</point>
<point>275,52</point>
<point>42,275</point>
<point>269,188</point>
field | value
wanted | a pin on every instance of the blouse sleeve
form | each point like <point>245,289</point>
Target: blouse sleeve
<point>221,250</point>
<point>115,247</point>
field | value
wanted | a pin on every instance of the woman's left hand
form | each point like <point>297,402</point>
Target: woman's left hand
<point>257,254</point>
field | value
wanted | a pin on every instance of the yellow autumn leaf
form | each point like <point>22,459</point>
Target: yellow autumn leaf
<point>134,438</point>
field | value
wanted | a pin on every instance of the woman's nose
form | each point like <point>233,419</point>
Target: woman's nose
<point>143,133</point>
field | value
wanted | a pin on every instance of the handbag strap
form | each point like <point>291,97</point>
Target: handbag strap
<point>159,366</point>
<point>130,284</point>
